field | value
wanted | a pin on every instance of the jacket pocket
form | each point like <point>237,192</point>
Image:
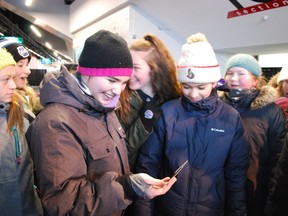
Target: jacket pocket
<point>100,148</point>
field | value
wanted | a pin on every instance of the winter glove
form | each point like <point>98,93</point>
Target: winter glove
<point>150,113</point>
<point>223,87</point>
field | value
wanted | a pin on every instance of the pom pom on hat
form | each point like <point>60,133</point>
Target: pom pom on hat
<point>6,59</point>
<point>283,75</point>
<point>245,61</point>
<point>18,51</point>
<point>105,54</point>
<point>198,63</point>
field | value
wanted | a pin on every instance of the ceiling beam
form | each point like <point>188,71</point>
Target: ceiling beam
<point>68,2</point>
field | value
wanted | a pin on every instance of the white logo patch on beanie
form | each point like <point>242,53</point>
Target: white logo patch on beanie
<point>22,51</point>
<point>198,63</point>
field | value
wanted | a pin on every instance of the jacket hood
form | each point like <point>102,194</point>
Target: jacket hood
<point>267,95</point>
<point>65,90</point>
<point>4,107</point>
<point>257,98</point>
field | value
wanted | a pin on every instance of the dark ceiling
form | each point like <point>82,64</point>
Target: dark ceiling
<point>12,24</point>
<point>68,2</point>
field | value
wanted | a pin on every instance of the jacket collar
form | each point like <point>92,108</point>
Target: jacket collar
<point>254,99</point>
<point>65,90</point>
<point>206,105</point>
<point>4,107</point>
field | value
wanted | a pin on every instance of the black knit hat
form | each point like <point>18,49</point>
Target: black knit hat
<point>18,51</point>
<point>105,54</point>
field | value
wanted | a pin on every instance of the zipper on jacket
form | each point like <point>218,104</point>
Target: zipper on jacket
<point>188,191</point>
<point>17,145</point>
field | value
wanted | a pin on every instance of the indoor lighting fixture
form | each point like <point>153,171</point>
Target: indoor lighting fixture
<point>28,3</point>
<point>48,45</point>
<point>35,53</point>
<point>35,30</point>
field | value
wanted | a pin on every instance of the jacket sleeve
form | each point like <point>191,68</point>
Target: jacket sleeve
<point>277,201</point>
<point>62,174</point>
<point>136,135</point>
<point>276,138</point>
<point>149,161</point>
<point>235,172</point>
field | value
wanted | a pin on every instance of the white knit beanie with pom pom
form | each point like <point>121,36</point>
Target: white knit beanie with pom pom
<point>198,62</point>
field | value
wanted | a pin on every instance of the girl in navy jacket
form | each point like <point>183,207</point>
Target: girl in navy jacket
<point>208,133</point>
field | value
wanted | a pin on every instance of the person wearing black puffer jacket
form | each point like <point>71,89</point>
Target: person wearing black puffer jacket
<point>264,123</point>
<point>277,202</point>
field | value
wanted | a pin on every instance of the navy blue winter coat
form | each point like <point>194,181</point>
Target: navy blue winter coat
<point>210,135</point>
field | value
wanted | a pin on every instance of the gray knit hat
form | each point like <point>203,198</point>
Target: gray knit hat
<point>245,61</point>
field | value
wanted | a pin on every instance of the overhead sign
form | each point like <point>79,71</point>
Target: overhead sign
<point>265,5</point>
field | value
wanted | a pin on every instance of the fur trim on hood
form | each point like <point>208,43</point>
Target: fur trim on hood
<point>266,96</point>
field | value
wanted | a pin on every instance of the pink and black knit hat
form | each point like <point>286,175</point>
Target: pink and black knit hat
<point>105,54</point>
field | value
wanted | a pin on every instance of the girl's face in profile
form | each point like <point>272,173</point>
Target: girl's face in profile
<point>240,78</point>
<point>105,89</point>
<point>22,73</point>
<point>140,79</point>
<point>7,85</point>
<point>197,92</point>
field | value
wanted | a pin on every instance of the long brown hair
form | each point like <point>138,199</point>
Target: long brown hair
<point>16,114</point>
<point>33,101</point>
<point>163,73</point>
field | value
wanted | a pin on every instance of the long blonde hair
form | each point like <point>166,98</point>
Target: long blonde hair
<point>33,101</point>
<point>16,114</point>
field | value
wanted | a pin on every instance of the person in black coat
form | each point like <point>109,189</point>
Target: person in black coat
<point>264,122</point>
<point>277,203</point>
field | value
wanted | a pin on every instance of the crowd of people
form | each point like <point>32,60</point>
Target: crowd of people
<point>107,137</point>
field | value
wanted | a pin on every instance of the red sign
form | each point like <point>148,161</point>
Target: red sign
<point>258,8</point>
